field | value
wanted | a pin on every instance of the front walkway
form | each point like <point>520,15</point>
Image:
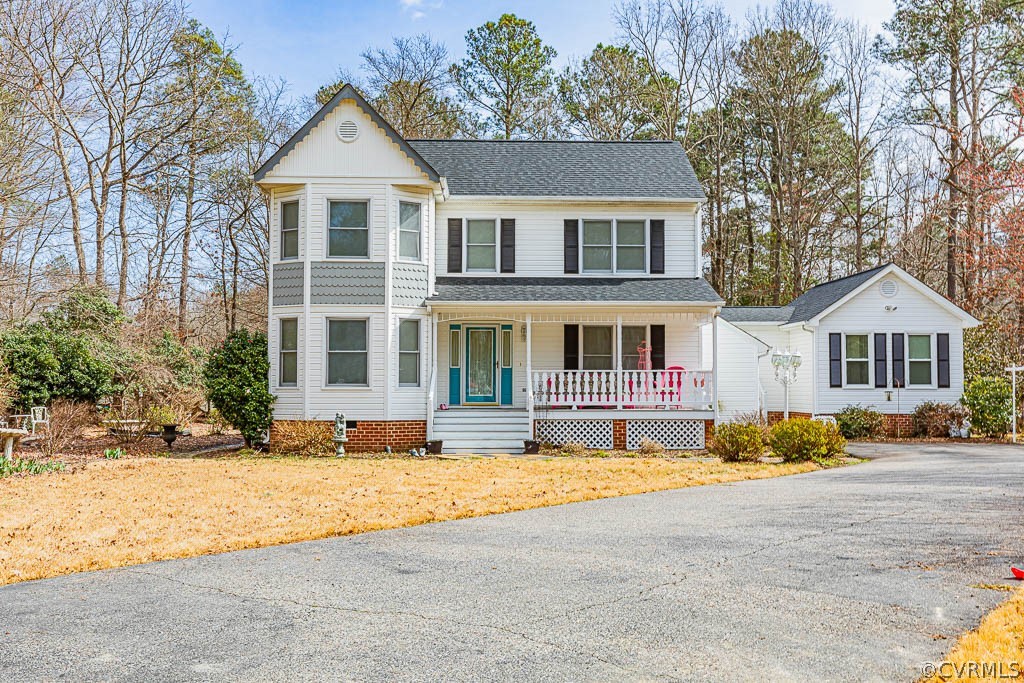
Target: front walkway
<point>855,573</point>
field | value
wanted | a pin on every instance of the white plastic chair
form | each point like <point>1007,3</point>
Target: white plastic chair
<point>40,416</point>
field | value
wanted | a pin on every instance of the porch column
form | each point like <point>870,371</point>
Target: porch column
<point>529,369</point>
<point>618,362</point>
<point>432,387</point>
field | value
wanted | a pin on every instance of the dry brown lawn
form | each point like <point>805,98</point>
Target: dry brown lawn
<point>994,651</point>
<point>116,513</point>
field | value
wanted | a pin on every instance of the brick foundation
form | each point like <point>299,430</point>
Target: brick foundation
<point>619,435</point>
<point>374,435</point>
<point>709,430</point>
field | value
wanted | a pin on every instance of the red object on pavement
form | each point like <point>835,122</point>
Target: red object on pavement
<point>1017,573</point>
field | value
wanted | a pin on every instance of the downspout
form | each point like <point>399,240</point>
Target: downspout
<point>813,360</point>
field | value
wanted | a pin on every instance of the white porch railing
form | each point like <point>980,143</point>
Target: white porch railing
<point>638,389</point>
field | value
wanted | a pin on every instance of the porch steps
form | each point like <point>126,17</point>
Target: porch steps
<point>481,430</point>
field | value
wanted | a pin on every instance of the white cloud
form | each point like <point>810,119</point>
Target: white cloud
<point>417,9</point>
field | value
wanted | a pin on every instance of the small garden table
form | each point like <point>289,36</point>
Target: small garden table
<point>10,436</point>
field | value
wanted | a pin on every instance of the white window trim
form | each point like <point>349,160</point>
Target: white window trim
<point>870,361</point>
<point>419,354</point>
<point>327,229</point>
<point>423,213</point>
<point>326,354</point>
<point>465,246</point>
<point>280,230</point>
<point>280,351</point>
<point>933,360</point>
<point>615,245</point>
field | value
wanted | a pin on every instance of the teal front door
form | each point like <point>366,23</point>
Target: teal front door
<point>481,364</point>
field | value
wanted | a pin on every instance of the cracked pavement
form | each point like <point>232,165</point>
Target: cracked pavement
<point>861,573</point>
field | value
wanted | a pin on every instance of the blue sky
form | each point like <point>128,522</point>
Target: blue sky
<point>305,41</point>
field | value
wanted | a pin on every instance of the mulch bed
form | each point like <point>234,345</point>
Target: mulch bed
<point>92,447</point>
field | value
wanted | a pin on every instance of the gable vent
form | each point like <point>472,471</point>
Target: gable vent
<point>888,288</point>
<point>348,131</point>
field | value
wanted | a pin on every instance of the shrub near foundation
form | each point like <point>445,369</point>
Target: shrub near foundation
<point>858,422</point>
<point>801,439</point>
<point>303,438</point>
<point>738,441</point>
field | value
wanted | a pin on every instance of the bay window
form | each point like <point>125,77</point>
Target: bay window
<point>288,352</point>
<point>409,353</point>
<point>409,223</point>
<point>289,230</point>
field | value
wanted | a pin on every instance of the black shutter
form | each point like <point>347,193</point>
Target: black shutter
<point>881,378</point>
<point>657,347</point>
<point>454,245</point>
<point>835,359</point>
<point>508,245</point>
<point>571,348</point>
<point>572,245</point>
<point>942,342</point>
<point>899,378</point>
<point>657,247</point>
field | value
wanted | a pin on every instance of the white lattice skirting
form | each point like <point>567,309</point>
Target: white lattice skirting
<point>590,433</point>
<point>681,435</point>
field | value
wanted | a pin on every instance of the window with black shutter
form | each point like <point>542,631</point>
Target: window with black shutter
<point>454,245</point>
<point>508,245</point>
<point>658,247</point>
<point>572,245</point>
<point>835,359</point>
<point>657,347</point>
<point>881,369</point>
<point>899,377</point>
<point>571,348</point>
<point>942,351</point>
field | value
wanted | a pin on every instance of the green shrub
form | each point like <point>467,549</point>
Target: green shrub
<point>236,383</point>
<point>858,422</point>
<point>113,453</point>
<point>988,399</point>
<point>738,441</point>
<point>802,439</point>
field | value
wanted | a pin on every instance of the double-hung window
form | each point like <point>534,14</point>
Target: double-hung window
<point>409,353</point>
<point>348,231</point>
<point>481,246</point>
<point>409,223</point>
<point>288,352</point>
<point>919,358</point>
<point>614,246</point>
<point>347,352</point>
<point>597,246</point>
<point>632,336</point>
<point>597,348</point>
<point>630,246</point>
<point>289,230</point>
<point>857,361</point>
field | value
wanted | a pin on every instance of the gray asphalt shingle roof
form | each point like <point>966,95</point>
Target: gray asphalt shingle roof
<point>806,306</point>
<point>757,314</point>
<point>573,289</point>
<point>541,168</point>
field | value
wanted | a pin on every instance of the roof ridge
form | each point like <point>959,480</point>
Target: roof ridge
<point>847,277</point>
<point>588,142</point>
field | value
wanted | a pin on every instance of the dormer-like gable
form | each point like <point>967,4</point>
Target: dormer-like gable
<point>345,138</point>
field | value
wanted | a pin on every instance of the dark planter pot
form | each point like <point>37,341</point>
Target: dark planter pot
<point>169,435</point>
<point>434,447</point>
<point>531,447</point>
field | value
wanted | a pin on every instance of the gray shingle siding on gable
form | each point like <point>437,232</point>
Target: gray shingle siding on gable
<point>409,284</point>
<point>657,169</point>
<point>288,283</point>
<point>346,283</point>
<point>573,289</point>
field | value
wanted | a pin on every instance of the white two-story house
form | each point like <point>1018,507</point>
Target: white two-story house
<point>483,294</point>
<point>487,293</point>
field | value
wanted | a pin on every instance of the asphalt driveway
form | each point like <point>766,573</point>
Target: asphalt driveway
<point>861,573</point>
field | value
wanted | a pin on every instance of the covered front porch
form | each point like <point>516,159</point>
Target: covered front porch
<point>578,374</point>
